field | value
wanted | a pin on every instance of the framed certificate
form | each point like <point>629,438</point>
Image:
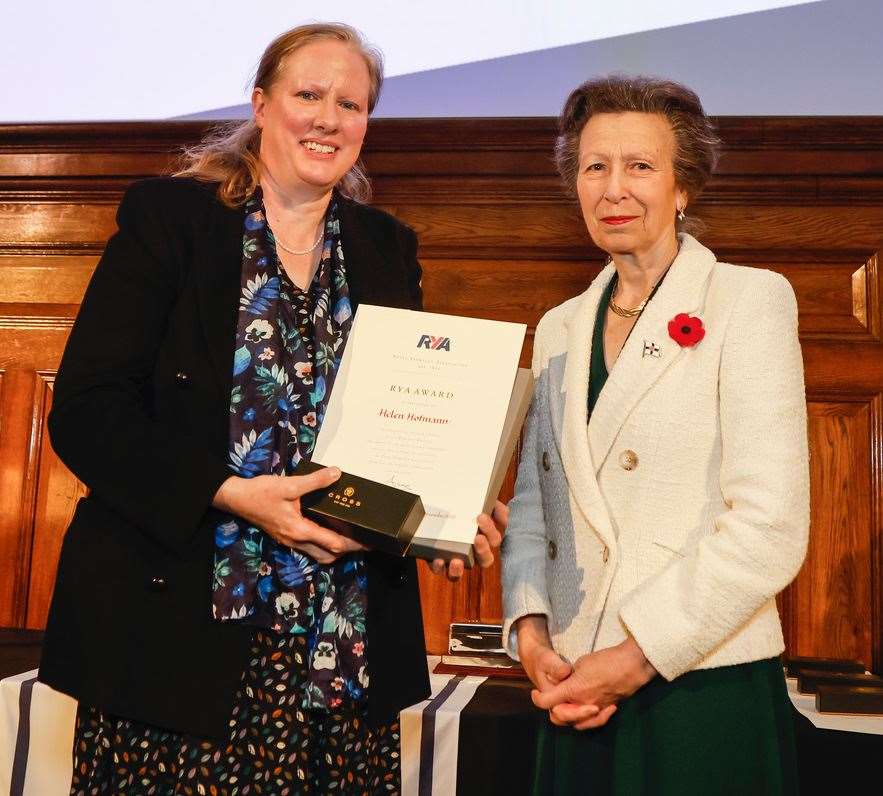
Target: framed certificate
<point>430,404</point>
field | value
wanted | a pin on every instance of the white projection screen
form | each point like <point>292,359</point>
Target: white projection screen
<point>107,60</point>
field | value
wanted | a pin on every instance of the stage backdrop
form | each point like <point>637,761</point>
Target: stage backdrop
<point>498,239</point>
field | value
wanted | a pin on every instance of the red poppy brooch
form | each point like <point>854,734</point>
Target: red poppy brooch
<point>686,330</point>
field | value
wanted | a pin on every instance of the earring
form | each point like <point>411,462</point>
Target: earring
<point>681,215</point>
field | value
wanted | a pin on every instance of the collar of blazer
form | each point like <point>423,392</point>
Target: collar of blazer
<point>220,270</point>
<point>586,447</point>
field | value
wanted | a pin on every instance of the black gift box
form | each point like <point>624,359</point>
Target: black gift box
<point>849,699</point>
<point>795,664</point>
<point>808,681</point>
<point>382,517</point>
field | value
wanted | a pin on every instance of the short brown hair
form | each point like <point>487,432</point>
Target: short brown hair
<point>697,143</point>
<point>229,154</point>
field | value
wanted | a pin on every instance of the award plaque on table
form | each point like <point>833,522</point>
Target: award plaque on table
<point>475,648</point>
<point>430,405</point>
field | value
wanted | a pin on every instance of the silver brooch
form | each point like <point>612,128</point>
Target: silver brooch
<point>651,350</point>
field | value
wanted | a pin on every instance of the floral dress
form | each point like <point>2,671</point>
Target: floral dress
<point>298,719</point>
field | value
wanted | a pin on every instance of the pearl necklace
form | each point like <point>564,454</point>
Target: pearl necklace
<point>304,251</point>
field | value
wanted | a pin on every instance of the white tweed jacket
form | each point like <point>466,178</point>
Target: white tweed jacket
<point>681,508</point>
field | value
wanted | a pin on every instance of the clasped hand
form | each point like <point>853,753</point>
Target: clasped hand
<point>585,695</point>
<point>272,503</point>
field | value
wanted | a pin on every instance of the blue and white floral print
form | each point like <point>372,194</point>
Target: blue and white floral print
<point>289,343</point>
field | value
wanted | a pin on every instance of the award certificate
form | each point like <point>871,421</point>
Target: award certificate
<point>420,403</point>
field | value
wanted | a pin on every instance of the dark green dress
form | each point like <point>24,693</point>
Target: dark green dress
<point>710,732</point>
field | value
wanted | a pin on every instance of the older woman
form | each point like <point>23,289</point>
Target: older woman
<point>662,496</point>
<point>218,641</point>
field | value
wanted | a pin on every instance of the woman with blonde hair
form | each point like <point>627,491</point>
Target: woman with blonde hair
<point>216,639</point>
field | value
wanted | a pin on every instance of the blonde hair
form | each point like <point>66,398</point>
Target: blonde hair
<point>230,153</point>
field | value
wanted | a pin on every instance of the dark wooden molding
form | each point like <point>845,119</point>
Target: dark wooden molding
<point>845,133</point>
<point>507,161</point>
<point>739,134</point>
<point>70,137</point>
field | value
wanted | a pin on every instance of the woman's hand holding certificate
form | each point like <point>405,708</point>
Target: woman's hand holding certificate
<point>491,529</point>
<point>430,404</point>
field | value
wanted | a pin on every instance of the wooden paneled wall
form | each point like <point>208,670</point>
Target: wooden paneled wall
<point>803,196</point>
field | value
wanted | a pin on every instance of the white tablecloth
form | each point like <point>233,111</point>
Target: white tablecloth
<point>430,735</point>
<point>806,704</point>
<point>37,730</point>
<point>36,738</point>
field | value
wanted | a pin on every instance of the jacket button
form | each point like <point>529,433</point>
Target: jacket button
<point>628,460</point>
<point>553,550</point>
<point>182,379</point>
<point>605,555</point>
<point>158,583</point>
<point>546,463</point>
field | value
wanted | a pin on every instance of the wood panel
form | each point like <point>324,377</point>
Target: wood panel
<point>15,421</point>
<point>830,604</point>
<point>472,287</point>
<point>55,492</point>
<point>499,239</point>
<point>51,278</point>
<point>37,493</point>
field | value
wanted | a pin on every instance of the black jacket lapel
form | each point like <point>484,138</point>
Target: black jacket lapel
<point>218,278</point>
<point>364,264</point>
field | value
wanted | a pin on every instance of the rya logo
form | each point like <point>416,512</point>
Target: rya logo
<point>434,343</point>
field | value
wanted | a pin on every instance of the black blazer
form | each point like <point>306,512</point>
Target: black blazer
<point>140,415</point>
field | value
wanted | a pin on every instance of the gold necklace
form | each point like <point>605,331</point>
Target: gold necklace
<point>625,312</point>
